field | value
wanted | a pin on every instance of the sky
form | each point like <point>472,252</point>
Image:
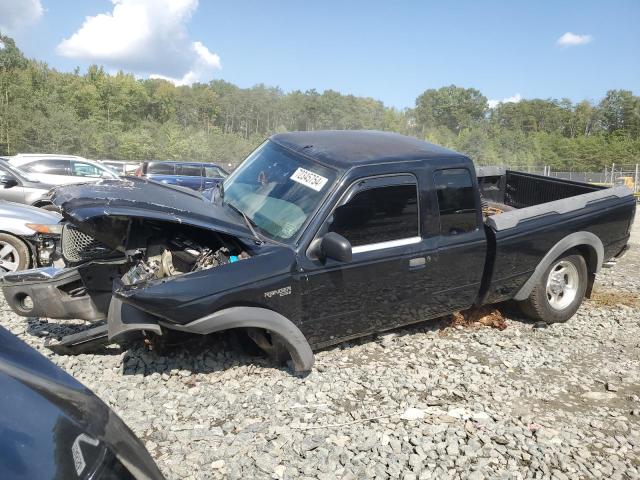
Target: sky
<point>391,51</point>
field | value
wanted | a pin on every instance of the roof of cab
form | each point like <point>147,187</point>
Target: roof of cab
<point>347,148</point>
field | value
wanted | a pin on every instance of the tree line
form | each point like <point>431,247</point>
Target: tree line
<point>116,116</point>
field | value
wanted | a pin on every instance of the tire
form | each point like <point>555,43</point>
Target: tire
<point>559,292</point>
<point>50,207</point>
<point>270,344</point>
<point>14,254</point>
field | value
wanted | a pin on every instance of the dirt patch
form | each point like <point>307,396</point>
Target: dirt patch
<point>475,317</point>
<point>604,298</point>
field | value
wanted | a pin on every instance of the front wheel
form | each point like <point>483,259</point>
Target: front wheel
<point>14,254</point>
<point>559,292</point>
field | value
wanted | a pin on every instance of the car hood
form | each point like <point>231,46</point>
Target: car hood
<point>86,206</point>
<point>18,213</point>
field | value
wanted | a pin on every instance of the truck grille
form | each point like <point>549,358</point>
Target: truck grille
<point>79,247</point>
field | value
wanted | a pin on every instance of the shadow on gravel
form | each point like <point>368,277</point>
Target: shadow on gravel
<point>230,349</point>
<point>197,354</point>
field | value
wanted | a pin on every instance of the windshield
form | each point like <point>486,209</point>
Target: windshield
<point>277,190</point>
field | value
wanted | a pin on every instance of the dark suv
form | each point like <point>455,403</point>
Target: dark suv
<point>193,175</point>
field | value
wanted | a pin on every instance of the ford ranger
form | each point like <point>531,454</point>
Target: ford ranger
<point>319,237</point>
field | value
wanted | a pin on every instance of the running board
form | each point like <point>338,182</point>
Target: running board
<point>82,342</point>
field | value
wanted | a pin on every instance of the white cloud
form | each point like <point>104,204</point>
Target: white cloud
<point>147,37</point>
<point>16,14</point>
<point>1,45</point>
<point>572,39</point>
<point>204,64</point>
<point>514,99</point>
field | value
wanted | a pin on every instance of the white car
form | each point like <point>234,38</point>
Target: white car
<point>61,169</point>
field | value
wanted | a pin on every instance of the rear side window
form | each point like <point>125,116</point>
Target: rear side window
<point>51,167</point>
<point>189,170</point>
<point>160,168</point>
<point>456,201</point>
<point>377,215</point>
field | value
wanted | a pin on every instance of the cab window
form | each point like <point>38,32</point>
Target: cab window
<point>456,201</point>
<point>380,214</point>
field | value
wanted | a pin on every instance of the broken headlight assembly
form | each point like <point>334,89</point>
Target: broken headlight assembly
<point>46,241</point>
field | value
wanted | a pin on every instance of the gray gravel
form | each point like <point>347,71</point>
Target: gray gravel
<point>422,402</point>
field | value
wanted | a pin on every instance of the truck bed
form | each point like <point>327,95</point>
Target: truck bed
<point>533,196</point>
<point>546,211</point>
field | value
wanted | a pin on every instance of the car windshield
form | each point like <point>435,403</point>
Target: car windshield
<point>277,190</point>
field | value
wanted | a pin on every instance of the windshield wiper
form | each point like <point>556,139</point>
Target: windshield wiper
<point>250,223</point>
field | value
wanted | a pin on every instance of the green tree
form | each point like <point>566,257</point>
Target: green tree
<point>453,107</point>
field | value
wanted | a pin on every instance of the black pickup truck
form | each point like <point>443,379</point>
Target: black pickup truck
<point>323,236</point>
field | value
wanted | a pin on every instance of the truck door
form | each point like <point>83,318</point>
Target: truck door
<point>462,245</point>
<point>377,289</point>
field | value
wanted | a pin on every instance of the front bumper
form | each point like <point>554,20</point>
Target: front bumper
<point>53,293</point>
<point>63,294</point>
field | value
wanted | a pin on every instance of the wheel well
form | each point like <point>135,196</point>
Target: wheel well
<point>590,256</point>
<point>591,259</point>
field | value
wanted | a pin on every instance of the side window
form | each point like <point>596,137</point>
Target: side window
<point>213,172</point>
<point>161,168</point>
<point>80,169</point>
<point>51,167</point>
<point>379,214</point>
<point>189,170</point>
<point>456,201</point>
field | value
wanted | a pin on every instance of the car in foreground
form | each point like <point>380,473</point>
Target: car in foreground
<point>54,427</point>
<point>29,237</point>
<point>61,169</point>
<point>20,187</point>
<point>319,237</point>
<point>194,175</point>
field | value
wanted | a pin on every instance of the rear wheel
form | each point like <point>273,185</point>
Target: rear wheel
<point>14,254</point>
<point>559,292</point>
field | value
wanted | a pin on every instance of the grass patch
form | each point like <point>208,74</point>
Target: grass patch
<point>604,298</point>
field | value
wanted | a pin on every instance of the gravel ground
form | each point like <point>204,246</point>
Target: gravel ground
<point>428,401</point>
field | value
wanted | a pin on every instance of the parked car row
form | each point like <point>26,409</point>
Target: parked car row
<point>193,175</point>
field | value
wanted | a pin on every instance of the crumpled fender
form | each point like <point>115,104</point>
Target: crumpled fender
<point>256,317</point>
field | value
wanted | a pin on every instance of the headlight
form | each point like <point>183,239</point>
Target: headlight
<point>55,229</point>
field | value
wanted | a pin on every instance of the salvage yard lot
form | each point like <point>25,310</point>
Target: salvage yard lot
<point>429,401</point>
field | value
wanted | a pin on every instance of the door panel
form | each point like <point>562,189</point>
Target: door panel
<point>13,194</point>
<point>389,278</point>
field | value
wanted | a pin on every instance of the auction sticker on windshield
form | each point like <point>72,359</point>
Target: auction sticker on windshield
<point>309,179</point>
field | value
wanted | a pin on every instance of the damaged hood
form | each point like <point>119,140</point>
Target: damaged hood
<point>85,205</point>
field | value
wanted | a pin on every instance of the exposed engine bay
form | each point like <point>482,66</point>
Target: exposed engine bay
<point>157,250</point>
<point>166,257</point>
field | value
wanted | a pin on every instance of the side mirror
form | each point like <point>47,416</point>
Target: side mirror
<point>7,181</point>
<point>333,245</point>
